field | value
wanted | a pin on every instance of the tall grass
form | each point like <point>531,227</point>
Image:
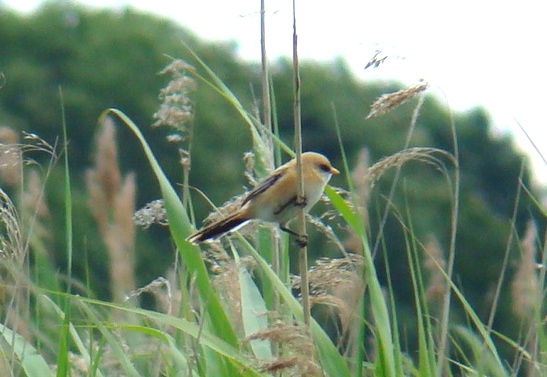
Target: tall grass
<point>227,309</point>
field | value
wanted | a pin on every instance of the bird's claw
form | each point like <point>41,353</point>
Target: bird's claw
<point>301,202</point>
<point>302,240</point>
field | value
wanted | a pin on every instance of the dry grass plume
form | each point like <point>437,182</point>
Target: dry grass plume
<point>111,201</point>
<point>390,101</point>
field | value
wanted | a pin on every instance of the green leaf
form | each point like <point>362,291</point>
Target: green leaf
<point>82,349</point>
<point>213,342</point>
<point>386,360</point>
<point>180,228</point>
<point>32,362</point>
<point>329,358</point>
<point>254,312</point>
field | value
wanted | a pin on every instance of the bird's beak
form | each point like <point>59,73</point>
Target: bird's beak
<point>334,171</point>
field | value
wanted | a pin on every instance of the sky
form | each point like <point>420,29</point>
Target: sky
<point>472,52</point>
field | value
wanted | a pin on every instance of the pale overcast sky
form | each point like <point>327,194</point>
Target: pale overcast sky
<point>484,52</point>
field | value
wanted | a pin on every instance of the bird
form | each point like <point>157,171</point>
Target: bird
<point>275,198</point>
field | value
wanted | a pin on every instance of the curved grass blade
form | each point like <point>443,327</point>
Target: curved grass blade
<point>240,363</point>
<point>180,228</point>
<point>386,350</point>
<point>76,339</point>
<point>32,362</point>
<point>330,359</point>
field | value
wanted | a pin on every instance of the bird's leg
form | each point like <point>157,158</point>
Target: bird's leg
<point>301,239</point>
<point>295,201</point>
<point>290,231</point>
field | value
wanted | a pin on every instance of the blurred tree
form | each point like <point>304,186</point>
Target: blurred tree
<point>101,59</point>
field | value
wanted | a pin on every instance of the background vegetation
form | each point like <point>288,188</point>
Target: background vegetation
<point>64,58</point>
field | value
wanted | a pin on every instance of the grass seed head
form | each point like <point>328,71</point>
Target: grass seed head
<point>525,288</point>
<point>10,157</point>
<point>391,101</point>
<point>298,348</point>
<point>434,260</point>
<point>177,108</point>
<point>152,213</point>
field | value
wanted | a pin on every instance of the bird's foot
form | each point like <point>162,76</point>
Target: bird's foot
<point>301,240</point>
<point>301,202</point>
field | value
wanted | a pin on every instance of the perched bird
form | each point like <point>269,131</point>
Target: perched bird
<point>274,199</point>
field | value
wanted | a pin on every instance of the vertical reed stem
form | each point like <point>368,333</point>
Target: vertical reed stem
<point>303,251</point>
<point>267,121</point>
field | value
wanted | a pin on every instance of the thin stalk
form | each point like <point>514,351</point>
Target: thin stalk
<point>505,262</point>
<point>64,341</point>
<point>267,121</point>
<point>409,135</point>
<point>303,249</point>
<point>266,105</point>
<point>441,352</point>
<point>186,160</point>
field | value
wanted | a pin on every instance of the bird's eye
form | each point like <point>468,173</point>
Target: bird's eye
<point>326,168</point>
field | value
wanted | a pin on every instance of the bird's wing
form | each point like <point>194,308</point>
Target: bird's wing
<point>263,186</point>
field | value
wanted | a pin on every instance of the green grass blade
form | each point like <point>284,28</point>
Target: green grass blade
<point>76,339</point>
<point>212,341</point>
<point>117,349</point>
<point>344,210</point>
<point>253,310</point>
<point>63,363</point>
<point>218,85</point>
<point>481,327</point>
<point>330,359</point>
<point>386,361</point>
<point>180,228</point>
<point>486,363</point>
<point>426,356</point>
<point>32,362</point>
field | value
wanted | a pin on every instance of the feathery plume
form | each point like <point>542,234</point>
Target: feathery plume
<point>434,260</point>
<point>177,108</point>
<point>111,202</point>
<point>525,288</point>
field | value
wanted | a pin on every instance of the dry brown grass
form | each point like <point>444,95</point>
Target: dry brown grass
<point>397,160</point>
<point>337,284</point>
<point>391,101</point>
<point>436,286</point>
<point>25,232</point>
<point>527,293</point>
<point>10,157</point>
<point>177,109</point>
<point>111,202</point>
<point>525,288</point>
<point>13,270</point>
<point>177,113</point>
<point>152,213</point>
<point>296,345</point>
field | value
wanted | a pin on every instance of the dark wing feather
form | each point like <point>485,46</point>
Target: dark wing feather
<point>263,186</point>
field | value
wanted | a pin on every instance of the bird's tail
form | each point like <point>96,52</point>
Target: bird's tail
<point>217,228</point>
